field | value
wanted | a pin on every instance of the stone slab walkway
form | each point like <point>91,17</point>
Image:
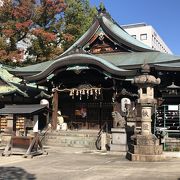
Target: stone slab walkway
<point>67,163</point>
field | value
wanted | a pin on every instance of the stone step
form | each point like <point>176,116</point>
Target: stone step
<point>85,144</point>
<point>70,140</point>
<point>84,139</point>
<point>74,133</point>
<point>58,138</point>
<point>63,136</point>
<point>90,145</point>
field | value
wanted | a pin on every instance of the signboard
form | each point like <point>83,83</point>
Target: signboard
<point>173,107</point>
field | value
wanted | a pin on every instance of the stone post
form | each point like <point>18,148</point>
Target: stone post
<point>145,146</point>
<point>103,141</point>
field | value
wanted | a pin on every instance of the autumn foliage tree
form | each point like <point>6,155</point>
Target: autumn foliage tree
<point>15,22</point>
<point>34,21</point>
<point>47,14</point>
<point>42,28</point>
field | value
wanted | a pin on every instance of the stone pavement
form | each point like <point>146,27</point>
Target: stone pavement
<point>65,163</point>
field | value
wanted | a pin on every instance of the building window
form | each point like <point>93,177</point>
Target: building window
<point>134,36</point>
<point>143,36</point>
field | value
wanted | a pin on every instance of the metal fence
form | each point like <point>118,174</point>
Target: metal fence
<point>167,120</point>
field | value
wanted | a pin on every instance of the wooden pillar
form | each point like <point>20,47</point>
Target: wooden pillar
<point>14,124</point>
<point>55,109</point>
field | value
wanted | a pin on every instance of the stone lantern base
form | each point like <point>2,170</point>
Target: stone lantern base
<point>119,140</point>
<point>145,148</point>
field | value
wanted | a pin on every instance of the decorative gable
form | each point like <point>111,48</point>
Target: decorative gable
<point>102,43</point>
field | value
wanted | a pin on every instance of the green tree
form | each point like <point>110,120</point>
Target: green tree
<point>78,17</point>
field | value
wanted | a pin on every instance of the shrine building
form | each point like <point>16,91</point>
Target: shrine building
<point>95,74</point>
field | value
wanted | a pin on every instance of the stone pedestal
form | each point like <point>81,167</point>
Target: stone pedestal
<point>145,148</point>
<point>119,140</point>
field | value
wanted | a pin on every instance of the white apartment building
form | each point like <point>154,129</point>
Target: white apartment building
<point>147,34</point>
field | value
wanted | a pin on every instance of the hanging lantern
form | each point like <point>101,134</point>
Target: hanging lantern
<point>87,94</point>
<point>77,93</point>
<point>99,91</point>
<point>83,92</point>
<point>72,91</point>
<point>70,94</point>
<point>91,92</point>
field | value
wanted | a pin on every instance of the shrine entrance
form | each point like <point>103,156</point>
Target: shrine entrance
<point>87,115</point>
<point>86,106</point>
<point>86,101</point>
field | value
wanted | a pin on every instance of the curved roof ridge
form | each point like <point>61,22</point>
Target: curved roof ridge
<point>113,29</point>
<point>79,59</point>
<point>109,17</point>
<point>83,39</point>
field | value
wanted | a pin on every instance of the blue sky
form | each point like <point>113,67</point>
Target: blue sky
<point>163,15</point>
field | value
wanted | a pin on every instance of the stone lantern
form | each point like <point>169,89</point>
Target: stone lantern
<point>145,146</point>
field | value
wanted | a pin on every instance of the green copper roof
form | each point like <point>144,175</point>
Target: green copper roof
<point>83,39</point>
<point>122,36</point>
<point>168,66</point>
<point>9,88</point>
<point>124,60</point>
<point>137,58</point>
<point>35,68</point>
<point>112,29</point>
<point>13,85</point>
<point>77,59</point>
<point>140,53</point>
<point>7,77</point>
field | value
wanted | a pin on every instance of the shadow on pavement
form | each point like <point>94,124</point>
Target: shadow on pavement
<point>15,173</point>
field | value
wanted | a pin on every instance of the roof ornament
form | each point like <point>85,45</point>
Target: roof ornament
<point>101,36</point>
<point>101,9</point>
<point>77,69</point>
<point>145,68</point>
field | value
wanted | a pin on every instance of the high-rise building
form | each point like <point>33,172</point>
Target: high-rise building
<point>147,34</point>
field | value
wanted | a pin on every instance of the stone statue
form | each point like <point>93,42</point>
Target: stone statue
<point>118,120</point>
